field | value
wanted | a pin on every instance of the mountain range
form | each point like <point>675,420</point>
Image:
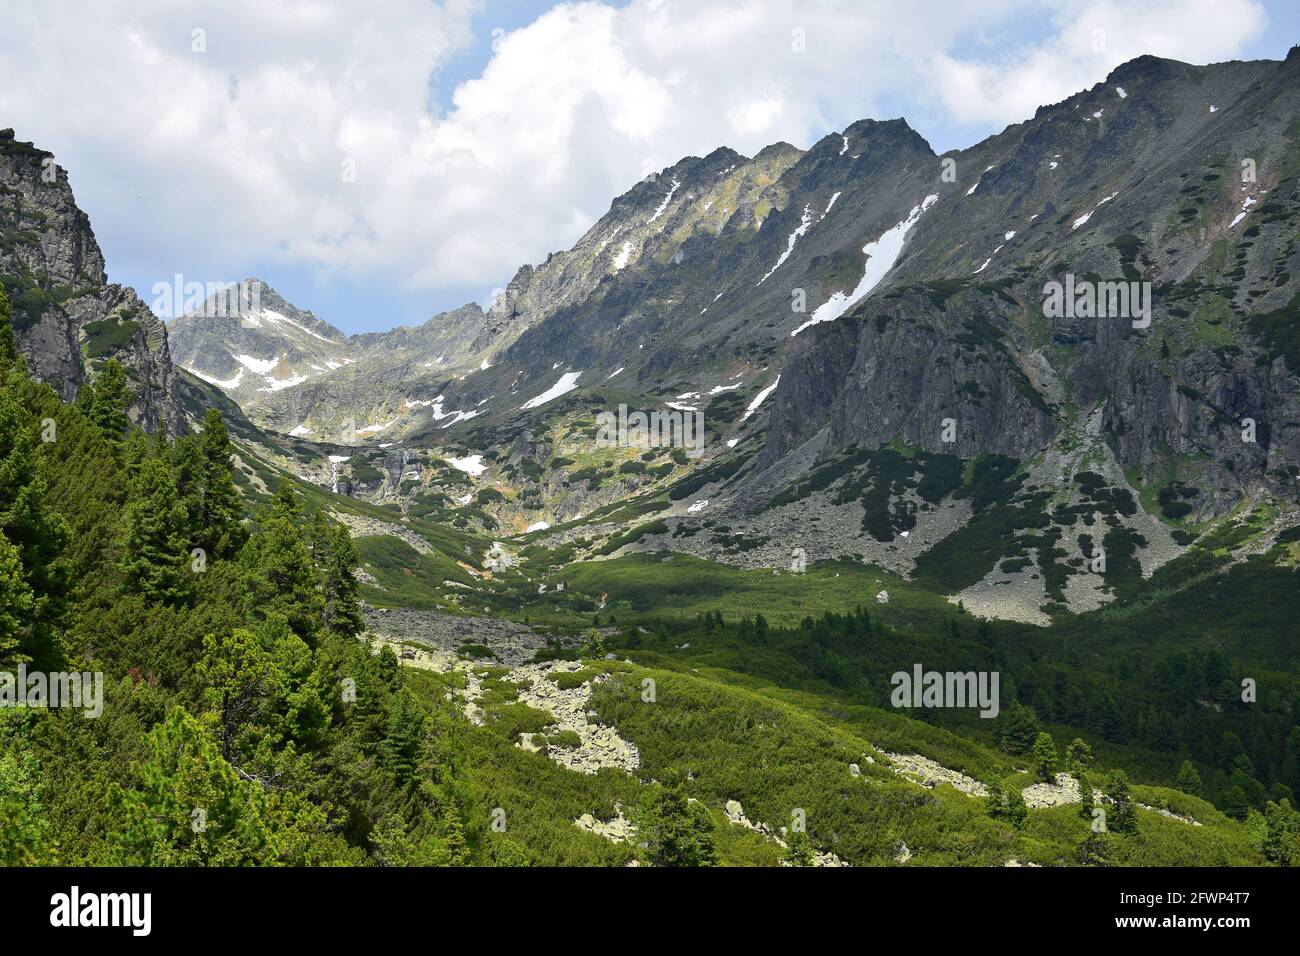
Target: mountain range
<point>823,307</point>
<point>1030,405</point>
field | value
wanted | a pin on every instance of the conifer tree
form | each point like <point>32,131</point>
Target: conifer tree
<point>38,535</point>
<point>17,602</point>
<point>10,358</point>
<point>135,448</point>
<point>238,677</point>
<point>1087,802</point>
<point>1045,757</point>
<point>674,830</point>
<point>278,573</point>
<point>403,744</point>
<point>799,851</point>
<point>318,540</point>
<point>454,833</point>
<point>155,556</point>
<point>996,800</point>
<point>1291,760</point>
<point>1078,756</point>
<point>1017,728</point>
<point>187,464</point>
<point>1189,780</point>
<point>109,402</point>
<point>220,511</point>
<point>1009,805</point>
<point>1282,834</point>
<point>189,808</point>
<point>1095,850</point>
<point>1122,817</point>
<point>1017,812</point>
<point>342,603</point>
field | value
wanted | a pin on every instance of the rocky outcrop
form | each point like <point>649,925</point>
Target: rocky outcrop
<point>597,745</point>
<point>735,814</point>
<point>67,317</point>
<point>361,526</point>
<point>929,773</point>
<point>512,643</point>
<point>618,829</point>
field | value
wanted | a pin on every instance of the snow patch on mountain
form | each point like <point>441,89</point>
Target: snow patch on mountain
<point>567,383</point>
<point>227,384</point>
<point>802,228</point>
<point>664,205</point>
<point>881,255</point>
<point>760,398</point>
<point>624,254</point>
<point>470,464</point>
<point>256,365</point>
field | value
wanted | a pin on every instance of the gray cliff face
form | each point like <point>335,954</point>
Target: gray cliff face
<point>67,317</point>
<point>1137,179</point>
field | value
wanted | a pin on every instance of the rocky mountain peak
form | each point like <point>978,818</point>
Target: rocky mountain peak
<point>68,319</point>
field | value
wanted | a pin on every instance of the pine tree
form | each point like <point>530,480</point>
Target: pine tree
<point>187,465</point>
<point>10,358</point>
<point>17,602</point>
<point>220,512</point>
<point>342,604</point>
<point>109,402</point>
<point>1282,835</point>
<point>1122,817</point>
<point>1095,850</point>
<point>38,536</point>
<point>239,678</point>
<point>277,567</point>
<point>189,808</point>
<point>135,450</point>
<point>1045,757</point>
<point>1078,757</point>
<point>593,644</point>
<point>1291,760</point>
<point>403,744</point>
<point>454,834</point>
<point>1004,804</point>
<point>1087,802</point>
<point>799,851</point>
<point>1189,780</point>
<point>1017,728</point>
<point>318,541</point>
<point>155,558</point>
<point>996,800</point>
<point>675,831</point>
<point>1017,812</point>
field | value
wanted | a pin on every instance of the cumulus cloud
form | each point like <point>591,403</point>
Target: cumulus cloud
<point>303,134</point>
<point>1087,40</point>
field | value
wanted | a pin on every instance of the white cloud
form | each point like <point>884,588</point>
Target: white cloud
<point>1090,38</point>
<point>233,158</point>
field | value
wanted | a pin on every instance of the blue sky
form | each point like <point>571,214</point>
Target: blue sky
<point>214,141</point>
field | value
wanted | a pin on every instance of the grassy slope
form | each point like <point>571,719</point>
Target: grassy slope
<point>776,752</point>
